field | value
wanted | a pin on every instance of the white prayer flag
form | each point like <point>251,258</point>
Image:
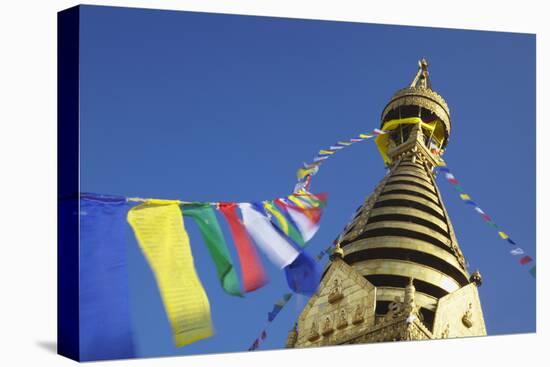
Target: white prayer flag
<point>276,247</point>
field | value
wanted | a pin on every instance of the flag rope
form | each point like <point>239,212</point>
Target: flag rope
<point>524,259</point>
<point>308,170</point>
<point>278,306</point>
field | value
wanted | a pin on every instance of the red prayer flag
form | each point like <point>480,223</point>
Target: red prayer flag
<point>253,272</point>
<point>525,260</point>
<point>486,217</point>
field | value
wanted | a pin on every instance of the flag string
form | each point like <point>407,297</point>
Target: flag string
<point>278,306</point>
<point>308,170</point>
<point>524,258</point>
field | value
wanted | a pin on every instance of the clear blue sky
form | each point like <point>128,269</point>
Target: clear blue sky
<point>225,108</point>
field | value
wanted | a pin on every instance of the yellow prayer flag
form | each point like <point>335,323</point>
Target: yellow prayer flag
<point>503,235</point>
<point>365,136</point>
<point>160,232</point>
<point>297,202</point>
<point>303,172</point>
<point>326,152</point>
<point>465,197</point>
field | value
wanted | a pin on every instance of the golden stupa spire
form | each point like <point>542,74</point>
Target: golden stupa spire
<point>397,270</point>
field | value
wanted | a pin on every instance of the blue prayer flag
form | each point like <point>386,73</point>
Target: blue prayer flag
<point>105,326</point>
<point>303,274</point>
<point>271,315</point>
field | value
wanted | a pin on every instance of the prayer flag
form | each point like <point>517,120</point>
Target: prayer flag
<point>355,140</point>
<point>284,222</point>
<point>510,241</point>
<point>312,210</point>
<point>302,172</point>
<point>533,271</point>
<point>458,188</point>
<point>205,217</point>
<point>275,246</point>
<point>278,306</point>
<point>318,158</point>
<point>271,315</point>
<point>488,219</point>
<point>312,165</point>
<point>379,132</point>
<point>525,260</point>
<point>301,186</point>
<point>307,221</point>
<point>335,147</point>
<point>365,136</point>
<point>264,335</point>
<point>465,197</point>
<point>105,325</point>
<point>344,143</point>
<point>303,275</point>
<point>503,235</point>
<point>160,231</point>
<point>253,273</point>
<point>306,200</point>
<point>326,152</point>
<point>517,251</point>
<point>451,178</point>
<point>478,209</point>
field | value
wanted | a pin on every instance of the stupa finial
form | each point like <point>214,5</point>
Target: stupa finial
<point>422,77</point>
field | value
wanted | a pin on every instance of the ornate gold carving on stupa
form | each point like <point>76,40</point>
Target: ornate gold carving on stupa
<point>327,327</point>
<point>445,333</point>
<point>342,319</point>
<point>358,315</point>
<point>467,318</point>
<point>313,332</point>
<point>335,294</point>
<point>407,308</point>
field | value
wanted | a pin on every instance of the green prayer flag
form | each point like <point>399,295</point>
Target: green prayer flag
<point>492,224</point>
<point>205,217</point>
<point>533,271</point>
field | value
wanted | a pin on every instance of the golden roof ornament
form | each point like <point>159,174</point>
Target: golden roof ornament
<point>409,293</point>
<point>419,95</point>
<point>337,252</point>
<point>422,78</point>
<point>476,278</point>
